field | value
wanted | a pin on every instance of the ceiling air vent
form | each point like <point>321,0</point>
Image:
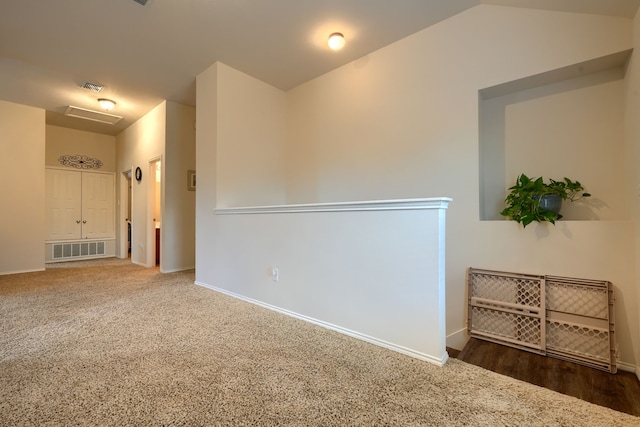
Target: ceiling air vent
<point>96,116</point>
<point>93,87</point>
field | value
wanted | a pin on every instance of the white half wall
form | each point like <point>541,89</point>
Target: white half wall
<point>373,270</point>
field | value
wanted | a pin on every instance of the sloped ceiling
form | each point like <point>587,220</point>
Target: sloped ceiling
<point>145,54</point>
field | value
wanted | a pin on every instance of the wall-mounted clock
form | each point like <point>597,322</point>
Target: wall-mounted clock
<point>138,174</point>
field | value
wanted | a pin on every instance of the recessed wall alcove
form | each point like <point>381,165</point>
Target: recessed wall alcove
<point>565,122</point>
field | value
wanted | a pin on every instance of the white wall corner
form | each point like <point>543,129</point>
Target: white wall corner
<point>629,367</point>
<point>458,339</point>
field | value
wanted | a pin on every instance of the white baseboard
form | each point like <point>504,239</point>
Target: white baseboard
<point>440,361</point>
<point>176,270</point>
<point>4,273</point>
<point>458,339</point>
<point>628,367</point>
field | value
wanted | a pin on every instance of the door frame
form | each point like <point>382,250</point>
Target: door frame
<point>123,201</point>
<point>151,199</point>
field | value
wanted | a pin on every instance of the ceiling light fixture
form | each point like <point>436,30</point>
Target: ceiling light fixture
<point>106,104</point>
<point>336,41</point>
<point>96,116</point>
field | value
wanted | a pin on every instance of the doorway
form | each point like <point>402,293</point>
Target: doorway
<point>155,209</point>
<point>125,215</point>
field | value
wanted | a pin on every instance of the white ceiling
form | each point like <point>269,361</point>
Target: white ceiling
<point>145,54</point>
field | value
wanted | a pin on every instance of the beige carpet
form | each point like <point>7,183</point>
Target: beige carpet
<point>111,343</point>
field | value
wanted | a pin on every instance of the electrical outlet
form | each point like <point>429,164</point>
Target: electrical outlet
<point>275,274</point>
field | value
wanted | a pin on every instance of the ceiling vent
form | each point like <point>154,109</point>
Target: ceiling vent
<point>142,2</point>
<point>96,116</point>
<point>93,87</point>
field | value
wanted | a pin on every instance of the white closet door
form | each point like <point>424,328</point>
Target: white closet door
<point>98,213</point>
<point>63,204</point>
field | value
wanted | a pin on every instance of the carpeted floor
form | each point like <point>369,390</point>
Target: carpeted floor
<point>111,343</point>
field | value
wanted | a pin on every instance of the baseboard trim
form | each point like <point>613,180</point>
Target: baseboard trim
<point>628,367</point>
<point>177,270</point>
<point>4,273</point>
<point>363,337</point>
<point>458,339</point>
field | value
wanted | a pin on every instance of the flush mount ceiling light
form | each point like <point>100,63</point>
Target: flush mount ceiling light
<point>336,41</point>
<point>96,116</point>
<point>106,104</point>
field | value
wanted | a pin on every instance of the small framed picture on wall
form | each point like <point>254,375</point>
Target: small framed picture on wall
<point>191,180</point>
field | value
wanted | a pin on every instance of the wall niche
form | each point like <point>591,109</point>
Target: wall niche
<point>565,122</point>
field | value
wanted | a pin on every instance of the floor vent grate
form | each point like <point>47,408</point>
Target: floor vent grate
<point>78,250</point>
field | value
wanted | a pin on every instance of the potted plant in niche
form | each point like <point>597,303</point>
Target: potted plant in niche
<point>531,199</point>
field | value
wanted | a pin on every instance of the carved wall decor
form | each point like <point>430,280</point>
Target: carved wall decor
<point>79,161</point>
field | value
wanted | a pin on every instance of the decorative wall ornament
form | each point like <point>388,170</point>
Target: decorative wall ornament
<point>80,161</point>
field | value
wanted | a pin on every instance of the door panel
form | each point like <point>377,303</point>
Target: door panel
<point>63,204</point>
<point>98,213</point>
<point>79,205</point>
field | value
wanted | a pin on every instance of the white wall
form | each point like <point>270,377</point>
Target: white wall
<point>61,141</point>
<point>22,183</point>
<point>632,134</point>
<point>240,136</point>
<point>390,122</point>
<point>206,169</point>
<point>374,271</point>
<point>136,146</point>
<point>178,203</point>
<point>571,128</point>
<point>402,122</point>
<point>580,133</point>
<point>166,133</point>
<point>251,135</point>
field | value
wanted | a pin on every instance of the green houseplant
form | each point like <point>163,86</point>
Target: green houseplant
<point>527,199</point>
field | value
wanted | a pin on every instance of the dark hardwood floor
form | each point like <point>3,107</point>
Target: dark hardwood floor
<point>620,391</point>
